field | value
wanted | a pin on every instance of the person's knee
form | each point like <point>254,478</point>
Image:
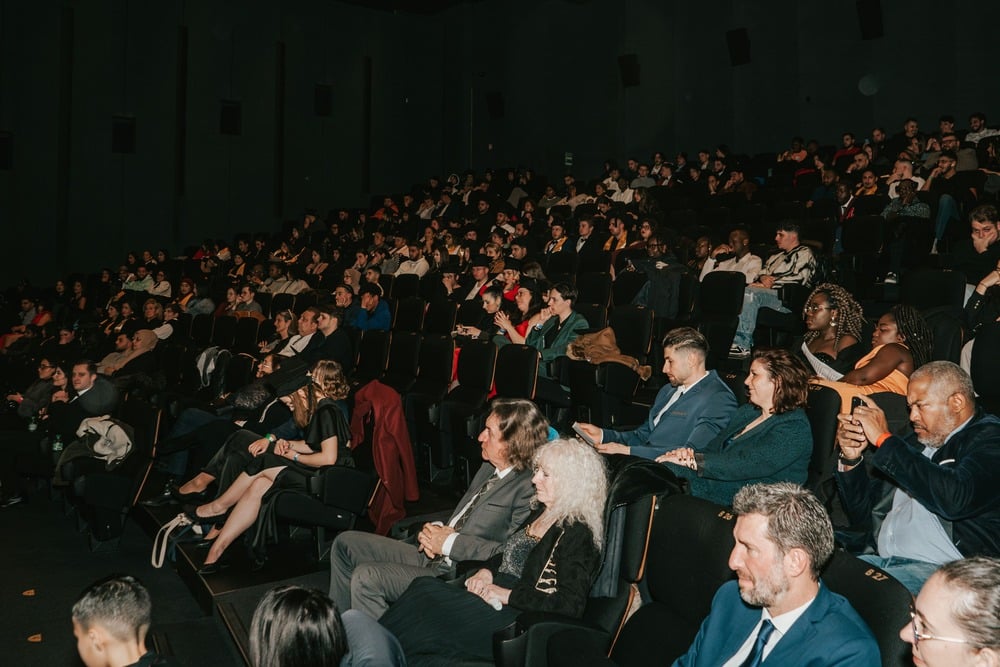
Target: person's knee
<point>259,486</point>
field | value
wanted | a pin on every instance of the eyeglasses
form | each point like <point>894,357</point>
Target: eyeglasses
<point>45,366</point>
<point>815,308</point>
<point>918,635</point>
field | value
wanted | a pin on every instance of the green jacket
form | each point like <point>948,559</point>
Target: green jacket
<point>574,326</point>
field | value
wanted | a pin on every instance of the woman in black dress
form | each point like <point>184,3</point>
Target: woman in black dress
<point>546,565</point>
<point>284,464</point>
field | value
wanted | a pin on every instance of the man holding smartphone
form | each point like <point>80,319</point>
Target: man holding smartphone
<point>934,495</point>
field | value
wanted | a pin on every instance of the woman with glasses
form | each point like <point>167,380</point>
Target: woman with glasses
<point>33,399</point>
<point>833,328</point>
<point>901,343</point>
<point>956,618</point>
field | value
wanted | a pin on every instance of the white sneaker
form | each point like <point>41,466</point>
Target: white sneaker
<point>891,278</point>
<point>934,250</point>
<point>738,352</point>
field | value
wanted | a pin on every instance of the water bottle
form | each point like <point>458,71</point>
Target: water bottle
<point>32,425</point>
<point>57,448</point>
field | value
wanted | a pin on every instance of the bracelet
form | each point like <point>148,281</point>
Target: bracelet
<point>850,463</point>
<point>296,457</point>
<point>270,438</point>
<point>882,438</point>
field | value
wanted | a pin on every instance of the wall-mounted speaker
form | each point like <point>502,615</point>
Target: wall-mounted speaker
<point>495,105</point>
<point>6,151</point>
<point>738,42</point>
<point>323,100</point>
<point>870,18</point>
<point>231,118</point>
<point>628,68</point>
<point>123,134</point>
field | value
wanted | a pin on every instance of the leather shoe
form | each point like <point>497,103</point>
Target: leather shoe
<point>164,498</point>
<point>213,568</point>
<point>186,498</point>
<point>192,512</point>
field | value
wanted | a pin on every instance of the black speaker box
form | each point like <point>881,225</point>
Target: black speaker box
<point>231,118</point>
<point>738,42</point>
<point>628,68</point>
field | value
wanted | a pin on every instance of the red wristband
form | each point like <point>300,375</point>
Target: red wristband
<point>882,438</point>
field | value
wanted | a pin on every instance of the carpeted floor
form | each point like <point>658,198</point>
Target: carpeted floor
<point>46,563</point>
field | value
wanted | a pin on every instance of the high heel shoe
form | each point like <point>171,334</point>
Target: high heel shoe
<point>192,513</point>
<point>214,568</point>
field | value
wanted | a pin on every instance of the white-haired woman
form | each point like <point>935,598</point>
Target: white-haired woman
<point>548,564</point>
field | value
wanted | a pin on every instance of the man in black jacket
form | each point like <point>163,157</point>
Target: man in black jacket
<point>934,496</point>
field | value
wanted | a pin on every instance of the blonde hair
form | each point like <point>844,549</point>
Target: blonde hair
<point>579,483</point>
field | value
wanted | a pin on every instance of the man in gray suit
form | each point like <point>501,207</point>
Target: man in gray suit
<point>687,412</point>
<point>369,572</point>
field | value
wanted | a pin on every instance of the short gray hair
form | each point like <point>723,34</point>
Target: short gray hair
<point>946,378</point>
<point>119,604</point>
<point>977,609</point>
<point>795,519</point>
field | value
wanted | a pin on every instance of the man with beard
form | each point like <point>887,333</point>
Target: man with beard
<point>933,497</point>
<point>778,609</point>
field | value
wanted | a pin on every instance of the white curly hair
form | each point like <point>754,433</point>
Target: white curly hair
<point>579,483</point>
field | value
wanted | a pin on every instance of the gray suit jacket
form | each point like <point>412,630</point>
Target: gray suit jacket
<point>495,517</point>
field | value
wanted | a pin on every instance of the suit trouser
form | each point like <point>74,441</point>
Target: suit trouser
<point>369,572</point>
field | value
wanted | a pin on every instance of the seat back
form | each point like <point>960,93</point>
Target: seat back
<point>595,313</point>
<point>201,329</point>
<point>224,332</point>
<point>948,335</point>
<point>145,420</point>
<point>245,339</point>
<point>633,327</point>
<point>410,312</point>
<point>517,371</point>
<point>594,288</point>
<point>440,317</point>
<point>822,410</point>
<point>627,285</point>
<point>373,355</point>
<point>239,371</point>
<point>405,285</point>
<point>469,312</point>
<point>404,355</point>
<point>282,301</point>
<point>687,561</point>
<point>881,601</point>
<point>476,367</point>
<point>985,365</point>
<point>720,300</point>
<point>931,288</point>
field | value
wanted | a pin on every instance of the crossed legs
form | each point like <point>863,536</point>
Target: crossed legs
<point>244,497</point>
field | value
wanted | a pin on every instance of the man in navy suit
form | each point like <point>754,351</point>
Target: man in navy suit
<point>778,612</point>
<point>688,412</point>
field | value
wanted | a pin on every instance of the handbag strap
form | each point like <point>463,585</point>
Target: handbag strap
<point>163,538</point>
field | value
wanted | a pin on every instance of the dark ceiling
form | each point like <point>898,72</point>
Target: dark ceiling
<point>410,6</point>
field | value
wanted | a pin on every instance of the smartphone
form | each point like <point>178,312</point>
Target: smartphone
<point>855,402</point>
<point>583,434</point>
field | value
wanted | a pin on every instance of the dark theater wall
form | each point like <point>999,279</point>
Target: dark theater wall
<point>66,68</point>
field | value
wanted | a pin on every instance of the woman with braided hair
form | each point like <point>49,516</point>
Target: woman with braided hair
<point>901,343</point>
<point>833,328</point>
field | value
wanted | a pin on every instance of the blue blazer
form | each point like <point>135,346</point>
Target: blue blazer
<point>830,632</point>
<point>693,421</point>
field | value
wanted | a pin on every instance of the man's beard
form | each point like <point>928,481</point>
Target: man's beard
<point>766,591</point>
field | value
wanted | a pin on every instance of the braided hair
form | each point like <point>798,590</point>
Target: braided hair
<point>917,336</point>
<point>850,317</point>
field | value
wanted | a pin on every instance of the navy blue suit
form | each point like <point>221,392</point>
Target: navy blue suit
<point>693,421</point>
<point>830,632</point>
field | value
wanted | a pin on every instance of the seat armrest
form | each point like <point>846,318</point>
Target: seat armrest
<point>524,642</point>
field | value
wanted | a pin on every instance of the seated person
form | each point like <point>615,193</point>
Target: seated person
<point>954,619</point>
<point>493,303</point>
<point>282,464</point>
<point>901,343</point>
<point>557,326</point>
<point>689,411</point>
<point>294,626</point>
<point>368,572</point>
<point>514,328</point>
<point>833,330</point>
<point>117,357</point>
<point>793,265</point>
<point>940,482</point>
<point>733,256</point>
<point>769,438</point>
<point>778,611</point>
<point>37,395</point>
<point>374,312</point>
<point>138,359</point>
<point>110,622</point>
<point>547,565</point>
